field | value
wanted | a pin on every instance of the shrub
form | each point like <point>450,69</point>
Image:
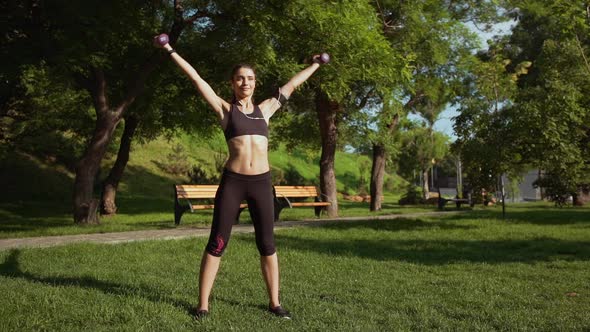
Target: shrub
<point>198,175</point>
<point>176,162</point>
<point>412,196</point>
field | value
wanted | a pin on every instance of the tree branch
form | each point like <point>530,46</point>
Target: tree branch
<point>414,100</point>
<point>391,125</point>
<point>154,61</point>
<point>365,99</point>
<point>579,44</point>
<point>99,91</point>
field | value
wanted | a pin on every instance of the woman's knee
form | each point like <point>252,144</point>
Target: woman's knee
<point>266,248</point>
<point>216,245</point>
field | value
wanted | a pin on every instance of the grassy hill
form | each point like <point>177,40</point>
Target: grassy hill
<point>39,191</point>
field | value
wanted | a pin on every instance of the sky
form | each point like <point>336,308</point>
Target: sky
<point>445,122</point>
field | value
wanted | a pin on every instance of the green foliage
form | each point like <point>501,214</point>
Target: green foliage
<point>197,175</point>
<point>52,120</point>
<point>434,39</point>
<point>359,51</point>
<point>56,49</point>
<point>556,189</point>
<point>551,108</point>
<point>176,162</point>
<point>420,147</point>
<point>484,127</point>
<point>411,196</point>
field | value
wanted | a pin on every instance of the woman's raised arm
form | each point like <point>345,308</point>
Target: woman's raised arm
<point>202,86</point>
<point>302,76</point>
<point>270,105</point>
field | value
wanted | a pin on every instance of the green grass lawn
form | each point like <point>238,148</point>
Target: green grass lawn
<point>472,271</point>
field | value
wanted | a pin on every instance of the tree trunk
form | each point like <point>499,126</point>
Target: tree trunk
<point>327,116</point>
<point>107,119</point>
<point>110,185</point>
<point>85,205</point>
<point>425,188</point>
<point>582,196</point>
<point>378,169</point>
<point>377,175</point>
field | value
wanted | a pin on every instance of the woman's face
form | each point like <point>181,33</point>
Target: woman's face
<point>244,82</point>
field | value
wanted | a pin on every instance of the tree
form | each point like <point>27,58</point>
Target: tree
<point>432,35</point>
<point>421,148</point>
<point>248,32</point>
<point>484,128</point>
<point>552,105</point>
<point>383,145</point>
<point>361,60</point>
<point>90,49</point>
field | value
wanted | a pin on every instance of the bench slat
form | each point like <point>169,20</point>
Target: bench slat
<point>196,186</point>
<point>196,196</point>
<point>311,204</point>
<point>296,190</point>
<point>210,206</point>
<point>294,195</point>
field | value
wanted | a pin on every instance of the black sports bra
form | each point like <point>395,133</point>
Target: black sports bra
<point>239,124</point>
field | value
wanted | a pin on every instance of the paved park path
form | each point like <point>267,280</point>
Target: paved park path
<point>184,232</point>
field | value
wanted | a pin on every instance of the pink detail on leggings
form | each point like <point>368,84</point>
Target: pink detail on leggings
<point>220,244</point>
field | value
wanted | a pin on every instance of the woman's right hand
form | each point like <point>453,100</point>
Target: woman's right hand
<point>161,41</point>
<point>320,58</point>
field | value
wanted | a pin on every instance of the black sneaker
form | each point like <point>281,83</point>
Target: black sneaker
<point>279,312</point>
<point>200,314</point>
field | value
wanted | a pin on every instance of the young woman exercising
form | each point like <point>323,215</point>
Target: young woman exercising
<point>247,172</point>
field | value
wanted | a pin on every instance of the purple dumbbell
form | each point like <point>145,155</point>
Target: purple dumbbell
<point>162,39</point>
<point>325,58</point>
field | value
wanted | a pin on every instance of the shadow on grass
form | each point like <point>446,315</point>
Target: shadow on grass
<point>49,204</point>
<point>17,218</point>
<point>538,215</point>
<point>10,268</point>
<point>23,218</point>
<point>435,251</point>
<point>394,225</point>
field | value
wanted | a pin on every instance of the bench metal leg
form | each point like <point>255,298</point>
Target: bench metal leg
<point>179,210</point>
<point>318,210</point>
<point>441,203</point>
<point>279,206</point>
<point>278,210</point>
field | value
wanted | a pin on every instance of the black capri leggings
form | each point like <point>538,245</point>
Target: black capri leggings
<point>233,189</point>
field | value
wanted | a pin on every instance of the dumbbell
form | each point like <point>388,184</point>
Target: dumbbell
<point>162,39</point>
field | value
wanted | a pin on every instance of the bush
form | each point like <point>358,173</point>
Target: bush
<point>558,190</point>
<point>176,162</point>
<point>412,196</point>
<point>198,175</point>
<point>288,177</point>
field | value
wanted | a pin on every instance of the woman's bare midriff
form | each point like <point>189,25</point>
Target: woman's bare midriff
<point>248,154</point>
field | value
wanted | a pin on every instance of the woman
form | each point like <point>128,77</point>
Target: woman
<point>246,175</point>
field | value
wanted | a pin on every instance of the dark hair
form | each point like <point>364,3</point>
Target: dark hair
<point>235,70</point>
<point>240,66</point>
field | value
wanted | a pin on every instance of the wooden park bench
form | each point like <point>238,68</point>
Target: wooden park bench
<point>458,201</point>
<point>289,196</point>
<point>284,196</point>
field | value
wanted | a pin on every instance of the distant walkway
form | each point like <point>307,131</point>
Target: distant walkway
<point>183,232</point>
